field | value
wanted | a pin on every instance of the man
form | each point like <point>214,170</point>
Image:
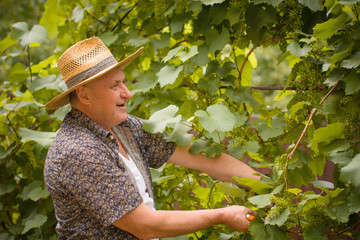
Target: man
<point>97,168</point>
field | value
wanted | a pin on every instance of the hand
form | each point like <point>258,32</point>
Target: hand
<point>235,217</point>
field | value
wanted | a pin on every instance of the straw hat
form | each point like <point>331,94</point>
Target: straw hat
<point>84,62</point>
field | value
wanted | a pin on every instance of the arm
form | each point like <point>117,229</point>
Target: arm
<point>145,223</point>
<point>223,168</point>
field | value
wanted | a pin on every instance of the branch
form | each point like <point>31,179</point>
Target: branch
<point>126,14</point>
<point>308,123</point>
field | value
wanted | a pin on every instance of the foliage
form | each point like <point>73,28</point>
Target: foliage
<point>194,83</point>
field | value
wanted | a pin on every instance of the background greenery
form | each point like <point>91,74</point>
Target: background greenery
<point>204,77</point>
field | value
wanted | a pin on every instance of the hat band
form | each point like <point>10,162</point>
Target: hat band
<point>78,78</point>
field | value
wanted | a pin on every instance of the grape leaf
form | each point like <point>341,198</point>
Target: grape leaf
<point>168,74</point>
<point>278,219</point>
<point>352,81</point>
<point>162,119</point>
<point>34,222</point>
<point>350,173</point>
<point>353,62</point>
<point>260,201</point>
<point>42,138</point>
<point>277,128</point>
<point>326,134</point>
<point>216,118</point>
<point>329,28</point>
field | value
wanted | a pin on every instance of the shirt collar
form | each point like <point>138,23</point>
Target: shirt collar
<point>90,124</point>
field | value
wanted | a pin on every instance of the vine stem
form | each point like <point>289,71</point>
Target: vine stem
<point>313,111</point>
<point>308,123</point>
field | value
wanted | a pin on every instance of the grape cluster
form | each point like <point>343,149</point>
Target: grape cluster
<point>239,26</point>
<point>159,7</point>
<point>351,127</point>
<point>181,6</point>
<point>289,19</point>
<point>308,80</point>
<point>280,204</point>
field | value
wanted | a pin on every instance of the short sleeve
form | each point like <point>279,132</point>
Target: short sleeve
<point>155,149</point>
<point>100,185</point>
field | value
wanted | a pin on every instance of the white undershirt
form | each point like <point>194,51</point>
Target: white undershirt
<point>149,202</point>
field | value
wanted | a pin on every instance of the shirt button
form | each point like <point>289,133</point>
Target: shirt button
<point>112,137</point>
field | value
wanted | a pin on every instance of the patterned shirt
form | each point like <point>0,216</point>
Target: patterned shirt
<point>89,184</point>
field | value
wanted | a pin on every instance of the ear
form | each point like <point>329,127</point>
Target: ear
<point>83,95</point>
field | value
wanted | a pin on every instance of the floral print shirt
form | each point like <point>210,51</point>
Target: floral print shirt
<point>89,184</point>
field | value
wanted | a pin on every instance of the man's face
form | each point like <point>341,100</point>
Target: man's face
<point>108,96</point>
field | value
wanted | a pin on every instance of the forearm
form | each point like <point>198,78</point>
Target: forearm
<point>223,168</point>
<point>145,223</point>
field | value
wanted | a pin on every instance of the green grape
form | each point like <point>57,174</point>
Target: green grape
<point>239,26</point>
<point>289,21</point>
<point>159,7</point>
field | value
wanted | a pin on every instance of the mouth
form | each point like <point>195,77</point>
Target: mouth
<point>121,105</point>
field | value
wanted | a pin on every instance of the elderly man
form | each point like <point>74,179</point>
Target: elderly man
<point>97,168</point>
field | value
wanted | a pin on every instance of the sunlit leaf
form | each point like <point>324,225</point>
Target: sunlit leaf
<point>216,118</point>
<point>162,119</point>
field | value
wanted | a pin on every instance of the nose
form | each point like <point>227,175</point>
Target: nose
<point>125,92</point>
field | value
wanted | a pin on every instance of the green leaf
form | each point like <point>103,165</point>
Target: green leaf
<point>42,138</point>
<point>6,188</point>
<point>28,188</point>
<point>300,176</point>
<point>270,2</point>
<point>18,73</point>
<point>51,18</point>
<point>316,233</point>
<point>172,53</point>
<point>162,119</point>
<point>258,16</point>
<point>199,146</point>
<point>329,28</point>
<point>352,81</point>
<point>278,219</point>
<point>353,62</point>
<point>216,118</point>
<point>211,2</point>
<point>276,129</point>
<point>230,189</point>
<point>180,135</point>
<point>260,201</point>
<point>350,173</point>
<point>342,52</point>
<point>184,56</point>
<point>168,74</point>
<point>177,23</point>
<point>108,38</point>
<point>6,43</point>
<point>34,222</point>
<point>353,200</point>
<point>342,158</point>
<point>313,5</point>
<point>260,231</point>
<point>146,82</point>
<point>326,134</point>
<point>295,49</point>
<point>216,41</point>
<point>78,14</point>
<point>256,186</point>
<point>324,184</point>
<point>37,34</point>
<point>38,193</point>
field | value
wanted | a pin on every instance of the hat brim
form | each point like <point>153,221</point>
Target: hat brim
<point>63,99</point>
